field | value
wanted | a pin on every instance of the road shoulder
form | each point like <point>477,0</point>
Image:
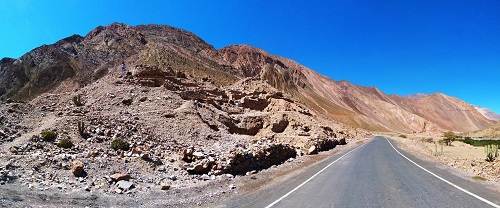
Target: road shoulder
<point>486,189</point>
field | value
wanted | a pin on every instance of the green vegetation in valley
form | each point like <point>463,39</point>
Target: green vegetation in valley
<point>479,143</point>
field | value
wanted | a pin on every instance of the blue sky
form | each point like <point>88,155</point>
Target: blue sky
<point>401,47</point>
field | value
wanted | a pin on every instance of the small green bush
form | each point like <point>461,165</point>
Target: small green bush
<point>120,144</point>
<point>65,143</point>
<point>49,136</point>
<point>403,136</point>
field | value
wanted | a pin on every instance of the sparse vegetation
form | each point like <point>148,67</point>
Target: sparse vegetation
<point>428,140</point>
<point>120,144</point>
<point>49,136</point>
<point>479,178</point>
<point>81,129</point>
<point>403,136</point>
<point>491,152</point>
<point>449,137</point>
<point>65,143</point>
<point>77,100</point>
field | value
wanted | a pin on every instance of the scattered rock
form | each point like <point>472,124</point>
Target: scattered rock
<point>120,177</point>
<point>77,168</point>
<point>312,150</point>
<point>199,155</point>
<point>125,185</point>
<point>13,150</point>
<point>165,186</point>
<point>127,101</point>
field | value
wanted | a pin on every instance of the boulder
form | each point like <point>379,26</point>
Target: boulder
<point>165,185</point>
<point>125,185</point>
<point>13,150</point>
<point>312,150</point>
<point>198,155</point>
<point>127,101</point>
<point>246,125</point>
<point>186,155</point>
<point>280,123</point>
<point>77,168</point>
<point>120,177</point>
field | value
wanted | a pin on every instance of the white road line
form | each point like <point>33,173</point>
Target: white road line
<point>295,189</point>
<point>452,184</point>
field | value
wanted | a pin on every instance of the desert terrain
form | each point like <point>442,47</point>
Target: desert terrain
<point>189,125</point>
<point>464,158</point>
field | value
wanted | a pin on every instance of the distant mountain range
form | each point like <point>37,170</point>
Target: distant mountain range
<point>76,61</point>
<point>488,113</point>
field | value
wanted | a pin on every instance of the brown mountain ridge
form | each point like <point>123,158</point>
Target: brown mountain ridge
<point>76,61</point>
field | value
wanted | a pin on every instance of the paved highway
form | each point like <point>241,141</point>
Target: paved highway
<point>375,174</point>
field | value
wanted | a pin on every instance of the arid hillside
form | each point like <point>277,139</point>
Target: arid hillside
<point>77,61</point>
<point>492,131</point>
<point>353,105</point>
<point>488,113</point>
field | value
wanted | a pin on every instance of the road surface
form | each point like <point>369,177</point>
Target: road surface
<point>376,174</point>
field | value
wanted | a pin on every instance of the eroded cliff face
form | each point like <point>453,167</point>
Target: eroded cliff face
<point>76,61</point>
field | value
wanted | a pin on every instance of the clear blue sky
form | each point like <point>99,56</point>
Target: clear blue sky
<point>401,47</point>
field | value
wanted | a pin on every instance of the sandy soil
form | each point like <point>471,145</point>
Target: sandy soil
<point>462,159</point>
<point>456,150</point>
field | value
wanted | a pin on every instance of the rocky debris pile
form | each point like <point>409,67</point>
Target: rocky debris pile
<point>237,162</point>
<point>11,121</point>
<point>477,166</point>
<point>179,132</point>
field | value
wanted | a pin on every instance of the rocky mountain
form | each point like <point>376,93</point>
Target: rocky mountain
<point>178,120</point>
<point>76,61</point>
<point>488,113</point>
<point>416,96</point>
<point>353,105</point>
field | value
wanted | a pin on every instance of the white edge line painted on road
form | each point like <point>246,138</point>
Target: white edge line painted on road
<point>303,183</point>
<point>452,184</point>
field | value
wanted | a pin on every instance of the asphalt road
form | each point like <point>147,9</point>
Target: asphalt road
<point>372,175</point>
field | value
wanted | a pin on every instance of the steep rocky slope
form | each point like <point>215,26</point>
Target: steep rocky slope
<point>182,133</point>
<point>447,112</point>
<point>76,61</point>
<point>356,106</point>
